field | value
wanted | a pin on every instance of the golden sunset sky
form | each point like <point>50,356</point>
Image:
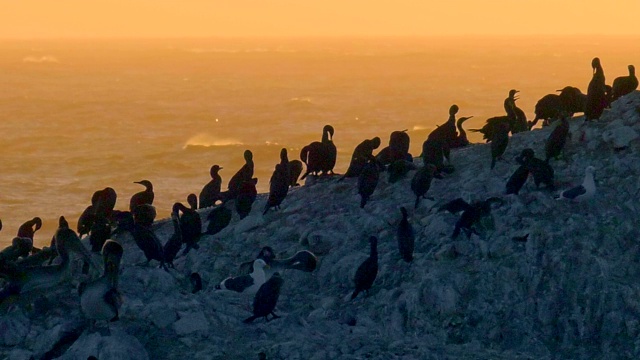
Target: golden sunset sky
<point>299,18</point>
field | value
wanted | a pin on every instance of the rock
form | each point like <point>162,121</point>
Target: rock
<point>13,328</point>
<point>191,322</point>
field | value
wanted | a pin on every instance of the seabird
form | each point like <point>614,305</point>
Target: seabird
<point>210,193</point>
<point>368,180</point>
<point>461,138</point>
<point>361,153</point>
<point>406,237</point>
<point>218,218</point>
<point>264,303</point>
<point>142,197</point>
<point>320,157</point>
<point>596,93</point>
<point>398,148</point>
<point>557,139</point>
<point>584,191</point>
<point>421,181</point>
<point>241,176</point>
<point>499,143</point>
<point>248,284</point>
<point>172,246</point>
<point>624,85</point>
<point>279,183</point>
<point>29,228</point>
<point>247,194</point>
<point>190,224</point>
<point>367,271</point>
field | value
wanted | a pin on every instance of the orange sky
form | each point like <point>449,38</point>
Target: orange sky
<point>186,18</point>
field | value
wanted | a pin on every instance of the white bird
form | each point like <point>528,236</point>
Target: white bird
<point>584,191</point>
<point>247,284</point>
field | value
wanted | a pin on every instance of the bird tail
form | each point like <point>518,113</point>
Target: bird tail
<point>355,293</point>
<point>249,319</point>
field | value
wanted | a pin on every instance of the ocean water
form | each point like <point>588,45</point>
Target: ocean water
<point>77,116</point>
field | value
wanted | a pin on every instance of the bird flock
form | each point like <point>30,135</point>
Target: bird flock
<point>25,269</point>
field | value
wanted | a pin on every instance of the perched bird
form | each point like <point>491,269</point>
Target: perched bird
<point>190,224</point>
<point>218,218</point>
<point>517,118</point>
<point>264,303</point>
<point>149,243</point>
<point>494,124</point>
<point>433,153</point>
<point>361,153</point>
<point>247,194</point>
<point>142,197</point>
<point>210,193</point>
<point>406,238</point>
<point>517,180</point>
<point>100,298</point>
<point>85,221</point>
<point>368,180</point>
<point>320,157</point>
<point>624,85</point>
<point>499,143</point>
<point>241,176</point>
<point>445,134</point>
<point>421,181</point>
<point>367,271</point>
<point>584,191</point>
<point>279,183</point>
<point>556,140</point>
<point>461,138</point>
<point>28,228</point>
<point>104,201</point>
<point>541,170</point>
<point>295,169</point>
<point>36,278</point>
<point>596,93</point>
<point>172,246</point>
<point>398,148</point>
<point>472,214</point>
<point>247,284</point>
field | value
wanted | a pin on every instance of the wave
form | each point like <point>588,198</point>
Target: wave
<point>300,102</point>
<point>207,140</point>
<point>41,59</point>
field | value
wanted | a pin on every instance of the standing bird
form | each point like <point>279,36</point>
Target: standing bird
<point>361,153</point>
<point>446,133</point>
<point>517,118</point>
<point>218,218</point>
<point>471,216</point>
<point>596,93</point>
<point>583,191</point>
<point>368,180</point>
<point>541,170</point>
<point>320,156</point>
<point>172,246</point>
<point>149,243</point>
<point>104,201</point>
<point>406,238</point>
<point>624,85</point>
<point>29,228</point>
<point>100,232</point>
<point>557,139</point>
<point>279,183</point>
<point>398,148</point>
<point>244,174</point>
<point>367,271</point>
<point>461,138</point>
<point>295,169</point>
<point>190,224</point>
<point>421,181</point>
<point>517,180</point>
<point>100,298</point>
<point>264,303</point>
<point>211,191</point>
<point>143,197</point>
<point>499,142</point>
<point>247,194</point>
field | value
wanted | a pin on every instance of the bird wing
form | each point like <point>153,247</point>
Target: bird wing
<point>574,192</point>
<point>238,283</point>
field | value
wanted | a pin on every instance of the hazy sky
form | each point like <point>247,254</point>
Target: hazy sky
<point>183,18</point>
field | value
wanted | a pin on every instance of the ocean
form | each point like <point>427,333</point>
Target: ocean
<point>80,115</point>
